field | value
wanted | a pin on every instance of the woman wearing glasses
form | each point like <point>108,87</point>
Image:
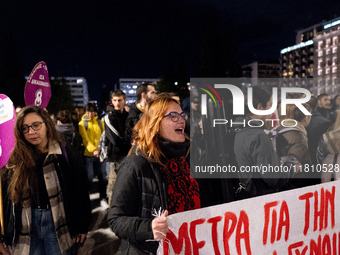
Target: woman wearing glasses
<point>45,201</point>
<point>155,176</point>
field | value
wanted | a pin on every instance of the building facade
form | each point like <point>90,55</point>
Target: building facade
<point>315,55</point>
<point>79,90</point>
<point>129,86</point>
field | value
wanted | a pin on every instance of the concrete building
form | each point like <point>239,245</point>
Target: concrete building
<point>261,69</point>
<point>129,86</point>
<point>315,55</point>
<point>79,90</point>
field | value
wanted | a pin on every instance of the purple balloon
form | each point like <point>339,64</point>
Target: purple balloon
<point>7,122</point>
<point>38,89</point>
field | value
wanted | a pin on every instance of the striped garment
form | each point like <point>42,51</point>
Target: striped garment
<point>57,206</point>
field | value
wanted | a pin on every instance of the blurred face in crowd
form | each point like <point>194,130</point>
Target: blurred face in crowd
<point>337,101</point>
<point>118,103</point>
<point>324,102</point>
<point>150,93</point>
<point>90,115</point>
<point>34,131</point>
<point>172,126</point>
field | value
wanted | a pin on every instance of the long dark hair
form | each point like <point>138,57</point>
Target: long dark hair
<point>23,159</point>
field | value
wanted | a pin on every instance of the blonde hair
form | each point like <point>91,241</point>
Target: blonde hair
<point>146,131</point>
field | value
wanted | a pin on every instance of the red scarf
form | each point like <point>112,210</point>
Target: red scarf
<point>182,190</point>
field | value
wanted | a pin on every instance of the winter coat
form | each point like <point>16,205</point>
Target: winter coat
<point>91,135</point>
<point>294,142</point>
<point>134,115</point>
<point>139,190</point>
<point>70,135</point>
<point>72,181</point>
<point>117,146</point>
<point>253,147</point>
<point>316,128</point>
<point>328,155</point>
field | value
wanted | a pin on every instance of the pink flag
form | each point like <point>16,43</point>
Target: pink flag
<point>7,122</point>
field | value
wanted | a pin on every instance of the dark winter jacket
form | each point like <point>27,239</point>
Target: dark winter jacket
<point>253,147</point>
<point>70,135</point>
<point>117,146</point>
<point>72,177</point>
<point>138,190</point>
<point>316,128</point>
<point>134,115</point>
<point>294,142</point>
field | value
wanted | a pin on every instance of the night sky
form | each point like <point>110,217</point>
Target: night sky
<point>106,40</point>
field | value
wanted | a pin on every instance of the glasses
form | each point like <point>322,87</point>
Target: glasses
<point>36,126</point>
<point>175,116</point>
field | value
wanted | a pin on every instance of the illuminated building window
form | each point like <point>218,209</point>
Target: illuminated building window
<point>334,69</point>
<point>328,42</point>
<point>327,70</point>
<point>320,45</point>
<point>335,49</point>
<point>320,63</point>
<point>334,62</point>
<point>328,51</point>
<point>320,72</point>
<point>320,54</point>
<point>335,41</point>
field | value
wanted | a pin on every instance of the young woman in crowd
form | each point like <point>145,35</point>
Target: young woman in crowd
<point>46,205</point>
<point>154,176</point>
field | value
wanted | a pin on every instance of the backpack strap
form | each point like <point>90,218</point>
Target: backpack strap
<point>86,124</point>
<point>107,122</point>
<point>100,124</point>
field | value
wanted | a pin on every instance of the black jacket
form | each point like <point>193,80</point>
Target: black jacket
<point>118,147</point>
<point>72,177</point>
<point>138,190</point>
<point>134,115</point>
<point>316,128</point>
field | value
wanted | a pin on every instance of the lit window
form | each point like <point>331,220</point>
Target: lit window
<point>328,51</point>
<point>320,72</point>
<point>335,49</point>
<point>327,70</point>
<point>335,59</point>
<point>320,63</point>
<point>320,45</point>
<point>328,42</point>
<point>320,53</point>
<point>335,41</point>
<point>334,69</point>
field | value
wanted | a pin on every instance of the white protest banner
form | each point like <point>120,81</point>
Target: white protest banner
<point>38,89</point>
<point>300,221</point>
<point>7,122</point>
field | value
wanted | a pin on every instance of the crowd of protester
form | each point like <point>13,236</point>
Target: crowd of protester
<point>141,159</point>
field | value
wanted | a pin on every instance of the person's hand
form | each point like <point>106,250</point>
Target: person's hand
<point>160,226</point>
<point>96,153</point>
<point>4,249</point>
<point>80,239</point>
